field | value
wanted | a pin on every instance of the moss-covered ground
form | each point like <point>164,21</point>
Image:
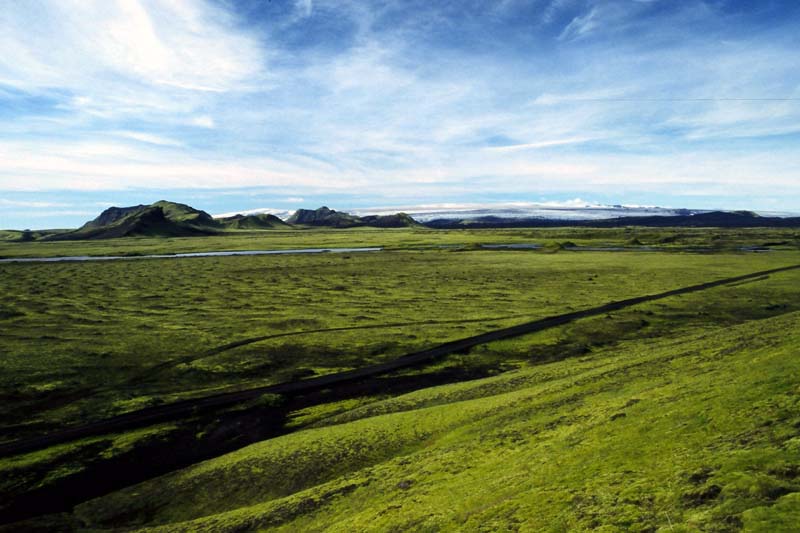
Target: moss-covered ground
<point>87,340</point>
<point>678,415</point>
<point>404,238</point>
<point>700,432</point>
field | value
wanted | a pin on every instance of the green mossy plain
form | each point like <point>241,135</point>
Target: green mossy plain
<point>599,424</point>
<point>696,433</point>
<point>88,340</point>
<point>717,238</point>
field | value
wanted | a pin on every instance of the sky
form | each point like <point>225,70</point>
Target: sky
<point>232,105</point>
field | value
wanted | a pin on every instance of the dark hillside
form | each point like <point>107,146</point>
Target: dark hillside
<point>263,221</point>
<point>161,219</point>
<point>398,220</point>
<point>113,214</point>
<point>148,222</point>
<point>337,219</point>
<point>719,219</point>
<point>324,217</point>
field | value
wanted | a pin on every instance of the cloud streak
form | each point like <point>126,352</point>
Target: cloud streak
<point>394,100</point>
<point>180,45</point>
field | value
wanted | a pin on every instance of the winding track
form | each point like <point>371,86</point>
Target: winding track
<point>183,408</point>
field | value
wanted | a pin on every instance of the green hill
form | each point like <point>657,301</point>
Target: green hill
<point>263,221</point>
<point>338,219</point>
<point>183,213</point>
<point>170,219</point>
<point>164,219</point>
<point>398,220</point>
<point>324,217</point>
<point>161,219</point>
<point>679,434</point>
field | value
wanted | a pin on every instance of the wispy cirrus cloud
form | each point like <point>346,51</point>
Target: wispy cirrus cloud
<point>31,204</point>
<point>581,25</point>
<point>148,138</point>
<point>539,144</point>
<point>121,43</point>
<point>304,7</point>
<point>570,97</point>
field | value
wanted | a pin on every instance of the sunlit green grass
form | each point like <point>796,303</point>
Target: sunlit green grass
<point>715,238</point>
<point>82,341</point>
<point>676,434</point>
<point>95,330</point>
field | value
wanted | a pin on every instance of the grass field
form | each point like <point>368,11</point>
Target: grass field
<point>521,445</point>
<point>697,433</point>
<point>99,329</point>
<point>716,238</point>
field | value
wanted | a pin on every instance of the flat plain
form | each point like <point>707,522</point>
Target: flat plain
<point>678,414</point>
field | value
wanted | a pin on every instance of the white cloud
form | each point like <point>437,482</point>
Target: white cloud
<point>34,205</point>
<point>164,95</point>
<point>600,95</point>
<point>149,138</point>
<point>553,8</point>
<point>575,202</point>
<point>141,54</point>
<point>538,144</point>
<point>580,25</point>
<point>203,122</point>
<point>423,209</point>
<point>52,213</point>
<point>305,7</point>
<point>280,213</point>
<point>110,166</point>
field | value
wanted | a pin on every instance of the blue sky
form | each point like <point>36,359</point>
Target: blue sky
<point>240,104</point>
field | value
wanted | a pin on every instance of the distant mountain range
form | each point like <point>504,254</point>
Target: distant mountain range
<point>723,219</point>
<point>170,219</point>
<point>573,210</point>
<point>337,219</point>
<point>162,219</point>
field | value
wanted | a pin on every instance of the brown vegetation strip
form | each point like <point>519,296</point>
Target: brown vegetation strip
<point>184,408</point>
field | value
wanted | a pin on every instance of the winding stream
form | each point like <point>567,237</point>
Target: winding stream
<point>190,254</point>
